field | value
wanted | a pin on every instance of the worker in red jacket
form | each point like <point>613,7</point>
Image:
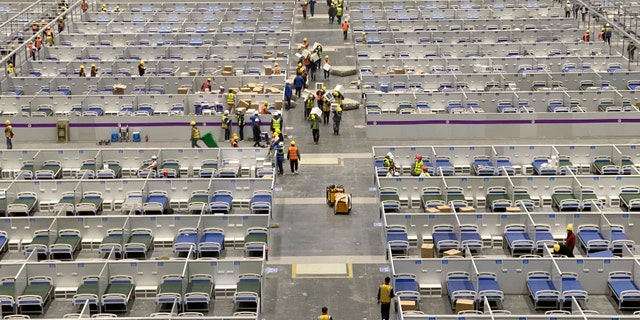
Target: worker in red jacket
<point>570,241</point>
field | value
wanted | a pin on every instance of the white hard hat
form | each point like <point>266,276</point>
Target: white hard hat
<point>389,154</point>
<point>226,112</point>
<point>255,112</point>
<point>281,143</point>
<point>154,157</point>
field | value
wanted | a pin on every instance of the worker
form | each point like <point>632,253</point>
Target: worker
<point>570,241</point>
<point>234,141</point>
<point>255,127</point>
<point>276,122</point>
<point>586,36</point>
<point>195,135</point>
<point>631,50</point>
<point>293,155</point>
<point>231,99</point>
<point>308,105</point>
<point>337,118</point>
<point>38,43</point>
<point>345,29</point>
<point>608,30</point>
<point>425,172</point>
<point>304,5</point>
<point>326,67</point>
<point>48,36</point>
<point>153,165</point>
<point>264,108</point>
<point>220,89</point>
<point>298,84</point>
<point>567,9</point>
<point>8,133</point>
<point>94,70</point>
<point>388,162</point>
<point>325,314</point>
<point>339,12</point>
<point>116,9</point>
<point>279,150</point>
<point>206,86</point>
<point>319,95</point>
<point>276,69</point>
<point>35,27</point>
<point>315,130</point>
<point>417,165</point>
<point>305,43</point>
<point>240,122</point>
<point>141,68</point>
<point>11,71</point>
<point>288,93</point>
<point>104,8</point>
<point>31,49</point>
<point>364,37</point>
<point>299,68</point>
<point>84,6</point>
<point>326,111</point>
<point>385,294</point>
<point>338,97</point>
<point>562,250</point>
<point>226,125</point>
<point>278,134</point>
<point>60,25</point>
<point>332,12</point>
<point>82,73</point>
<point>312,7</point>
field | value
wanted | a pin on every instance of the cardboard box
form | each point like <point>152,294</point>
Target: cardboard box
<point>273,90</point>
<point>407,305</point>
<point>227,73</point>
<point>254,106</point>
<point>183,90</point>
<point>258,90</point>
<point>251,85</point>
<point>268,70</point>
<point>119,88</point>
<point>244,103</point>
<point>245,90</point>
<point>432,210</point>
<point>452,252</point>
<point>444,208</point>
<point>278,104</point>
<point>513,209</point>
<point>464,304</point>
<point>193,73</point>
<point>280,54</point>
<point>267,56</point>
<point>426,251</point>
<point>467,209</point>
<point>267,176</point>
<point>227,68</point>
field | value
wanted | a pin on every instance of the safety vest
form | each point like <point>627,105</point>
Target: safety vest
<point>84,6</point>
<point>345,26</point>
<point>10,71</point>
<point>324,317</point>
<point>94,71</point>
<point>195,133</point>
<point>585,37</point>
<point>275,123</point>
<point>225,121</point>
<point>240,120</point>
<point>231,98</point>
<point>35,27</point>
<point>309,104</point>
<point>293,153</point>
<point>417,167</point>
<point>387,162</point>
<point>82,74</point>
<point>326,106</point>
<point>339,11</point>
<point>385,293</point>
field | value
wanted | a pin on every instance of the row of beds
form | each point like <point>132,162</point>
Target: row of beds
<point>209,243</point>
<point>46,110</point>
<point>119,294</point>
<point>445,237</point>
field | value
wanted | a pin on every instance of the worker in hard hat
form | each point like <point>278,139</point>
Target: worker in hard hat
<point>8,133</point>
<point>226,125</point>
<point>152,165</point>
<point>570,240</point>
<point>288,93</point>
<point>337,118</point>
<point>326,111</point>
<point>11,71</point>
<point>388,161</point>
<point>425,172</point>
<point>332,12</point>
<point>586,36</point>
<point>315,129</point>
<point>304,5</point>
<point>276,122</point>
<point>417,165</point>
<point>326,67</point>
<point>35,27</point>
<point>195,135</point>
<point>305,43</point>
<point>206,86</point>
<point>364,37</point>
<point>116,9</point>
<point>255,128</point>
<point>240,122</point>
<point>276,69</point>
<point>319,95</point>
<point>309,102</point>
<point>234,141</point>
<point>141,68</point>
<point>48,36</point>
<point>104,8</point>
<point>562,250</point>
<point>279,150</point>
<point>264,108</point>
<point>231,100</point>
<point>293,155</point>
<point>82,73</point>
<point>94,70</point>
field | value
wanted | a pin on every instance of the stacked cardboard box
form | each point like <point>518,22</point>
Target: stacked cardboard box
<point>278,104</point>
<point>244,103</point>
<point>268,71</point>
<point>407,305</point>
<point>463,305</point>
<point>452,252</point>
<point>426,251</point>
<point>119,88</point>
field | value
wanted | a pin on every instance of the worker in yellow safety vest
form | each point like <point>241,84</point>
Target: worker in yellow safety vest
<point>417,165</point>
<point>195,135</point>
<point>276,122</point>
<point>325,314</point>
<point>231,100</point>
<point>385,294</point>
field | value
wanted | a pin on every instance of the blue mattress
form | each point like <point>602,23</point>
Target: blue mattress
<point>190,237</point>
<point>226,198</point>
<point>571,284</point>
<point>539,285</point>
<point>3,242</point>
<point>458,285</point>
<point>212,237</point>
<point>470,236</point>
<point>514,236</point>
<point>618,235</point>
<point>537,164</point>
<point>618,286</point>
<point>587,235</point>
<point>162,199</point>
<point>601,254</point>
<point>488,284</point>
<point>406,284</point>
<point>440,236</point>
<point>394,236</point>
<point>544,235</point>
<point>261,198</point>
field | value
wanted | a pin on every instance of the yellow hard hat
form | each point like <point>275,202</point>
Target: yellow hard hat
<point>326,57</point>
<point>339,109</point>
<point>193,123</point>
<point>299,47</point>
<point>364,32</point>
<point>293,143</point>
<point>7,122</point>
<point>299,64</point>
<point>324,88</point>
<point>569,227</point>
<point>324,99</point>
<point>313,116</point>
<point>141,62</point>
<point>208,79</point>
<point>275,64</point>
<point>235,136</point>
<point>33,21</point>
<point>305,39</point>
<point>43,20</point>
<point>266,103</point>
<point>104,4</point>
<point>93,64</point>
<point>556,247</point>
<point>587,31</point>
<point>81,67</point>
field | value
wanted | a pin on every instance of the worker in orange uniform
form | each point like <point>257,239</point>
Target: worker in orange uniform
<point>264,108</point>
<point>586,36</point>
<point>31,49</point>
<point>276,69</point>
<point>82,73</point>
<point>38,43</point>
<point>305,43</point>
<point>345,28</point>
<point>293,155</point>
<point>48,36</point>
<point>35,27</point>
<point>84,6</point>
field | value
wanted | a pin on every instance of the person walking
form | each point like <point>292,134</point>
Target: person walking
<point>226,125</point>
<point>631,50</point>
<point>8,133</point>
<point>81,73</point>
<point>332,12</point>
<point>304,5</point>
<point>567,9</point>
<point>586,36</point>
<point>325,314</point>
<point>337,118</point>
<point>345,28</point>
<point>326,111</point>
<point>84,6</point>
<point>293,155</point>
<point>279,151</point>
<point>298,84</point>
<point>195,135</point>
<point>240,121</point>
<point>288,93</point>
<point>385,294</point>
<point>141,68</point>
<point>608,30</point>
<point>308,105</point>
<point>326,68</point>
<point>312,6</point>
<point>339,14</point>
<point>11,71</point>
<point>315,130</point>
<point>255,127</point>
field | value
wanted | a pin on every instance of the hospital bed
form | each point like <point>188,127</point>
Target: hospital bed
<point>112,171</point>
<point>443,166</point>
<point>26,171</point>
<point>627,164</point>
<point>157,202</point>
<point>565,166</point>
<point>433,197</point>
<point>542,290</point>
<point>3,201</point>
<point>630,198</point>
<point>170,292</point>
<point>4,239</point>
<point>488,287</point>
<point>571,288</point>
<point>139,244</point>
<point>455,196</point>
<point>230,169</point>
<point>144,172</point>
<point>504,165</point>
<point>624,290</point>
<point>247,295</point>
<point>407,288</point>
<point>67,245</point>
<point>482,166</point>
<point>88,292</point>
<point>444,238</point>
<point>398,240</point>
<point>118,295</point>
<point>40,244</point>
<point>208,168</point>
<point>633,85</point>
<point>604,165</point>
<point>588,197</point>
<point>470,238</point>
<point>66,204</point>
<point>37,293</point>
<point>619,240</point>
<point>211,243</point>
<point>563,200</point>
<point>51,169</point>
<point>543,237</point>
<point>590,239</point>
<point>199,291</point>
<point>186,241</point>
<point>132,203</point>
<point>93,111</point>
<point>114,241</point>
<point>90,204</point>
<point>171,167</point>
<point>542,166</point>
<point>87,169</point>
<point>506,106</point>
<point>390,199</point>
<point>198,202</point>
<point>7,295</point>
<point>221,202</point>
<point>261,202</point>
<point>460,286</point>
<point>256,241</point>
<point>25,204</point>
<point>498,199</point>
<point>517,240</point>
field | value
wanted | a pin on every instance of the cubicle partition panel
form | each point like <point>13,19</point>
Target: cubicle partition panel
<point>628,220</point>
<point>26,85</point>
<point>178,68</point>
<point>593,272</point>
<point>511,273</point>
<point>92,228</point>
<point>21,229</point>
